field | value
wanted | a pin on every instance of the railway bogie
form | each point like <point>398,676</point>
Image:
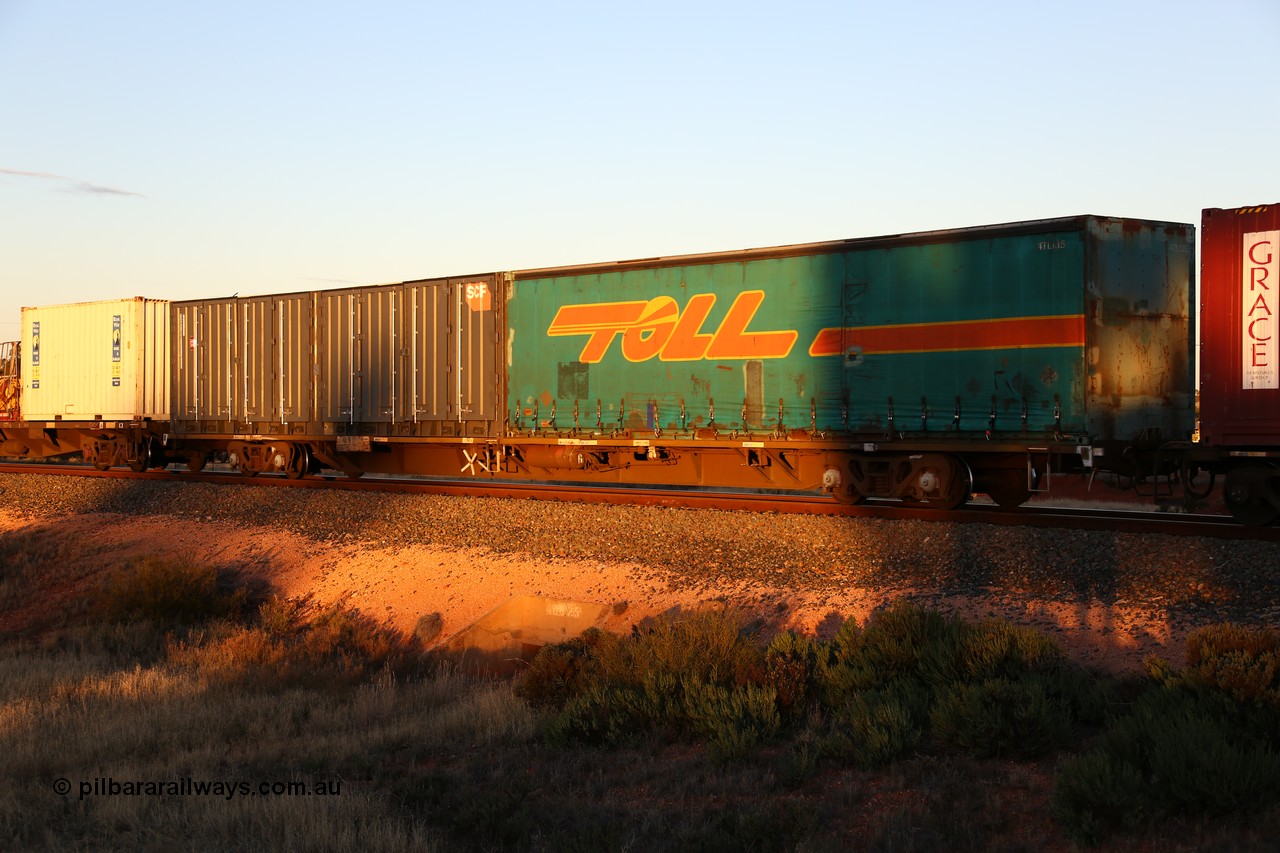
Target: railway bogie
<point>133,448</point>
<point>1252,493</point>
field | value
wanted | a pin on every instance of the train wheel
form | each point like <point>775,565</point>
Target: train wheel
<point>196,462</point>
<point>841,487</point>
<point>1250,497</point>
<point>944,484</point>
<point>1187,475</point>
<point>956,493</point>
<point>299,462</point>
<point>848,495</point>
<point>101,464</point>
<point>141,460</point>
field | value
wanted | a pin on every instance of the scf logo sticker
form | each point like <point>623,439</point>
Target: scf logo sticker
<point>479,296</point>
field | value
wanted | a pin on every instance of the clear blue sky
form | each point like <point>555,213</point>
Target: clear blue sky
<point>183,150</point>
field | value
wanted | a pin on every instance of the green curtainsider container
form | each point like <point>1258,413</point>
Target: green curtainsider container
<point>1075,327</point>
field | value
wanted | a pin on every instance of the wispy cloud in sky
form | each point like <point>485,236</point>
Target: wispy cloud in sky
<point>72,185</point>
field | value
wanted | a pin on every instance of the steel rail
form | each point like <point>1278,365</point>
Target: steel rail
<point>1038,515</point>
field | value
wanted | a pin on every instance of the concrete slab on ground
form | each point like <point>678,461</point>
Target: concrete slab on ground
<point>512,633</point>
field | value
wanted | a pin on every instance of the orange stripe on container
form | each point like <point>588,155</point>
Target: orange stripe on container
<point>1065,330</point>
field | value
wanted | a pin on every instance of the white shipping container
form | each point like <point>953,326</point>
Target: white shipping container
<point>96,361</point>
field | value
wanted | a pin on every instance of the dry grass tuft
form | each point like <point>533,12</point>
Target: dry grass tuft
<point>173,677</point>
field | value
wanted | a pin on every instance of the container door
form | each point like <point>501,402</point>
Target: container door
<point>204,355</point>
<point>360,359</point>
<point>336,381</point>
<point>453,352</point>
<point>275,369</point>
<point>294,358</point>
<point>182,394</point>
<point>475,350</point>
<point>427,330</point>
<point>255,376</point>
<point>1138,370</point>
<point>378,362</point>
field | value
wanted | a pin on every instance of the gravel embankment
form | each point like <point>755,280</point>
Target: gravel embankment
<point>1196,580</point>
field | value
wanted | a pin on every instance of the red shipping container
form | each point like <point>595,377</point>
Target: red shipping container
<point>1239,322</point>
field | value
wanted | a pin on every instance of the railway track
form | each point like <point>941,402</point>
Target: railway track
<point>1037,515</point>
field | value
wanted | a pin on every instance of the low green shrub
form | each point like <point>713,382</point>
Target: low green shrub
<point>1242,662</point>
<point>600,715</point>
<point>792,665</point>
<point>995,648</point>
<point>1199,764</point>
<point>1097,793</point>
<point>800,761</point>
<point>840,672</point>
<point>1196,742</point>
<point>661,702</point>
<point>706,646</point>
<point>709,646</point>
<point>902,641</point>
<point>1022,717</point>
<point>732,720</point>
<point>990,688</point>
<point>869,695</point>
<point>559,671</point>
<point>1173,755</point>
<point>875,727</point>
<point>907,640</point>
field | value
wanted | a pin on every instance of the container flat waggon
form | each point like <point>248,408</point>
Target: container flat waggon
<point>919,367</point>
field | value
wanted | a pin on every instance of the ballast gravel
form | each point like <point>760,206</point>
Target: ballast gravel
<point>730,554</point>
